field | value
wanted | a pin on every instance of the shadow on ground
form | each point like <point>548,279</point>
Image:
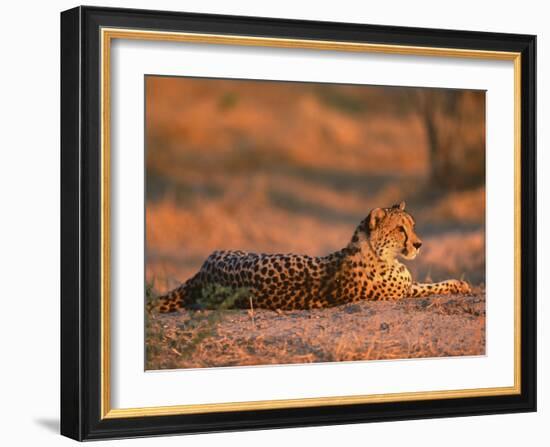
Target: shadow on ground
<point>51,425</point>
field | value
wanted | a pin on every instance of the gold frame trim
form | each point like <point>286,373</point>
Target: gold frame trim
<point>107,35</point>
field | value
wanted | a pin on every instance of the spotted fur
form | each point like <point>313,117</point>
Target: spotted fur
<point>366,269</point>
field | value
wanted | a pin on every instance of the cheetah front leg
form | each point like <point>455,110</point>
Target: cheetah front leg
<point>448,287</point>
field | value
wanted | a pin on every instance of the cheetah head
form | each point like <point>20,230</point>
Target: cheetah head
<point>390,233</point>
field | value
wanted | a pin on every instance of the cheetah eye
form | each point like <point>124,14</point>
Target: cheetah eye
<point>401,228</point>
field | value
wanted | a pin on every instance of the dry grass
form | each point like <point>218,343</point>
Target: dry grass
<point>179,238</point>
<point>412,328</point>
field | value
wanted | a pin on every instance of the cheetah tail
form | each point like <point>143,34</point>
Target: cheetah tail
<point>170,302</point>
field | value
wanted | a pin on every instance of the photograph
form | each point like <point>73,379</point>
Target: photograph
<point>304,222</point>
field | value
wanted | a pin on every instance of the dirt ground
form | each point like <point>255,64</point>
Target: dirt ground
<point>411,328</point>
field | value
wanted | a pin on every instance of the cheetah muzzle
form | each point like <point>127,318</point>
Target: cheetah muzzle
<point>366,269</point>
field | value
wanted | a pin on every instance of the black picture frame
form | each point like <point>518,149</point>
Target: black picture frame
<point>81,207</point>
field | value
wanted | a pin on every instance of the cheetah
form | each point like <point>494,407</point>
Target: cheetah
<point>367,269</point>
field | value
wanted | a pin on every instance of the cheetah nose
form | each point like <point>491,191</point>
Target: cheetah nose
<point>417,245</point>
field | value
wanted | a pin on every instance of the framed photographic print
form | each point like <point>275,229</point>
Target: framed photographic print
<point>276,223</point>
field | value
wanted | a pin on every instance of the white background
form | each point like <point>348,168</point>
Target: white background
<point>132,387</point>
<point>29,224</point>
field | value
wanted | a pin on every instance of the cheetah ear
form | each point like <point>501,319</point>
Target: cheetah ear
<point>399,207</point>
<point>375,216</point>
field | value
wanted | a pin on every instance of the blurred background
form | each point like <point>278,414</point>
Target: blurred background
<point>270,166</point>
